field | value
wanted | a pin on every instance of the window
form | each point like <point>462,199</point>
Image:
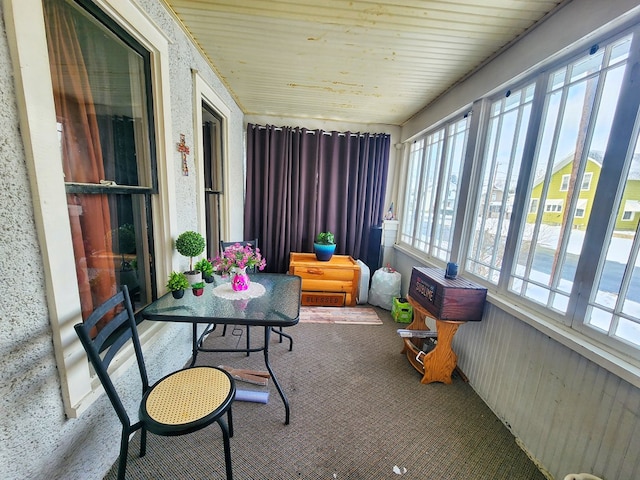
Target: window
<point>581,208</point>
<point>57,198</point>
<point>557,155</point>
<point>431,197</point>
<point>101,87</point>
<point>506,131</point>
<point>614,306</point>
<point>213,176</point>
<point>579,103</point>
<point>553,205</point>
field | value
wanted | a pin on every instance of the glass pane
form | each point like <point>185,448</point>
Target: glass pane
<point>566,170</point>
<point>449,190</point>
<point>108,235</point>
<point>629,331</point>
<point>213,176</point>
<point>212,149</point>
<point>429,187</point>
<point>411,193</point>
<point>99,85</point>
<point>620,50</point>
<point>100,94</point>
<point>601,319</point>
<point>618,287</point>
<point>507,129</point>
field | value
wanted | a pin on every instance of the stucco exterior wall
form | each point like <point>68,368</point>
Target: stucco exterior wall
<point>38,441</point>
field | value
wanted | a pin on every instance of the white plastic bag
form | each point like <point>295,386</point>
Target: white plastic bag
<point>385,285</point>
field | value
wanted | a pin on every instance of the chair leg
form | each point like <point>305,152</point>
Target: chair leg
<point>230,421</point>
<point>124,451</point>
<point>227,448</point>
<point>282,334</point>
<point>248,342</point>
<point>143,442</point>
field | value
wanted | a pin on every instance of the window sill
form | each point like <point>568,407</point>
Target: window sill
<point>624,367</point>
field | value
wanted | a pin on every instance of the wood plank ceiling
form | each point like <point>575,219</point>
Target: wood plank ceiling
<point>355,61</point>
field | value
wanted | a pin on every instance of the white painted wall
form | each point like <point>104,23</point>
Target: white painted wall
<point>568,413</point>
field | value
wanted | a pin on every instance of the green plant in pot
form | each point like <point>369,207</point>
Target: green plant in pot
<point>206,267</point>
<point>324,246</point>
<point>177,284</point>
<point>197,288</point>
<point>191,244</point>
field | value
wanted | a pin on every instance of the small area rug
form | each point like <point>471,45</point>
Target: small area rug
<point>344,315</point>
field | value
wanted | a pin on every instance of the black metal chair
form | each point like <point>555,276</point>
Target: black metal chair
<point>182,402</point>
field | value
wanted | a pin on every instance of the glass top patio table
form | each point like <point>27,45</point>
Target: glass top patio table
<point>277,304</point>
<point>273,300</point>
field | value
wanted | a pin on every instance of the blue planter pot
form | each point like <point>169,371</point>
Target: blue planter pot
<point>324,252</point>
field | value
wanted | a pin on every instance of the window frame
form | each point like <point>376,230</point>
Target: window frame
<point>448,133</point>
<point>566,328</point>
<point>204,94</point>
<point>28,46</point>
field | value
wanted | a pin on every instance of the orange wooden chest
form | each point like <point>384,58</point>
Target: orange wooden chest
<point>324,283</point>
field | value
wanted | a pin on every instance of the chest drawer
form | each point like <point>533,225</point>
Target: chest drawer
<point>318,273</point>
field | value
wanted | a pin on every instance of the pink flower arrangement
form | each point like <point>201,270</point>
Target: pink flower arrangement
<point>237,257</point>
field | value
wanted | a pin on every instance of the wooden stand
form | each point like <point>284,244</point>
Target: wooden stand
<point>439,363</point>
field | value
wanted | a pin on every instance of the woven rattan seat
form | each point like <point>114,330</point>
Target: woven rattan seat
<point>187,396</point>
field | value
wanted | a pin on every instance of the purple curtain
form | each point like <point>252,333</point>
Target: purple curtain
<point>301,182</point>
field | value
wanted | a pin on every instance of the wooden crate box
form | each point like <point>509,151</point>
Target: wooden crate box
<point>446,299</point>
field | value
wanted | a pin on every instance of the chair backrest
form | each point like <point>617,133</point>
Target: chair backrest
<point>120,328</point>
<point>252,243</point>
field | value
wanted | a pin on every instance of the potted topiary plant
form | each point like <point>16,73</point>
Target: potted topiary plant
<point>177,284</point>
<point>197,288</point>
<point>206,268</point>
<point>324,246</point>
<point>191,244</point>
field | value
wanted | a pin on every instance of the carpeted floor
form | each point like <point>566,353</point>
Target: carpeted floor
<point>358,411</point>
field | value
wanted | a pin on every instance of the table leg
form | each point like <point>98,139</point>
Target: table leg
<point>281,334</point>
<point>267,337</point>
<point>194,346</point>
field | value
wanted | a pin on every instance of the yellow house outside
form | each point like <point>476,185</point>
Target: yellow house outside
<point>556,201</point>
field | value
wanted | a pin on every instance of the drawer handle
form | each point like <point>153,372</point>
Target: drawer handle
<point>314,271</point>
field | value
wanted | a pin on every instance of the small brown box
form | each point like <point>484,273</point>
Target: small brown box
<point>322,299</point>
<point>447,299</point>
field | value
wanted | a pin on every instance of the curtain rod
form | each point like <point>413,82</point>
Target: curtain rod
<point>313,132</point>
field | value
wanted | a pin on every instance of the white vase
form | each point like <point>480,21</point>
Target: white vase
<point>193,277</point>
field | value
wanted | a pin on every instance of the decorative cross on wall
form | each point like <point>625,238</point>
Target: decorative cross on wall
<point>184,150</point>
